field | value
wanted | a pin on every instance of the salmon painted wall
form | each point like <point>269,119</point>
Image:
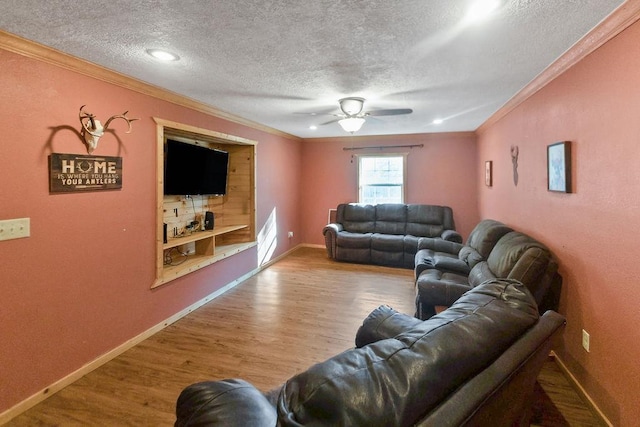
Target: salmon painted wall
<point>443,172</point>
<point>594,231</point>
<point>80,285</point>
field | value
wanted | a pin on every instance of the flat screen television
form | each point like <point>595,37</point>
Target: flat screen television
<point>193,170</point>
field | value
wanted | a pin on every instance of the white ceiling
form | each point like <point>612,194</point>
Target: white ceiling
<point>276,61</point>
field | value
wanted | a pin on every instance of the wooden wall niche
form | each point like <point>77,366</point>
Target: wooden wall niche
<point>235,213</point>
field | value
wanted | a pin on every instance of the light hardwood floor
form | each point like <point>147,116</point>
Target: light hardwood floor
<point>299,311</point>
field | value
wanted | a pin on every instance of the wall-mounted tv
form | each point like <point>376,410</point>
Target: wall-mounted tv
<point>194,170</point>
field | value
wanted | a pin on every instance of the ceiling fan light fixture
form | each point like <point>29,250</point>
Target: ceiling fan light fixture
<point>351,124</point>
<point>351,106</point>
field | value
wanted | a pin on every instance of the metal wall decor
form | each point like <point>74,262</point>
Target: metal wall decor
<point>514,161</point>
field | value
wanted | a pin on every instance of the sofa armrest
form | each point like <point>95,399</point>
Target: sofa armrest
<point>382,323</point>
<point>502,393</point>
<point>330,232</point>
<point>451,236</point>
<point>229,403</point>
<point>334,227</point>
<point>437,244</point>
<point>450,264</point>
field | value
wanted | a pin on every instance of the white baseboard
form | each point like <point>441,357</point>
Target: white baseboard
<point>43,394</point>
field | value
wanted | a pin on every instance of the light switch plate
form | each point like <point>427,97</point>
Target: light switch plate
<point>15,228</point>
<point>585,340</point>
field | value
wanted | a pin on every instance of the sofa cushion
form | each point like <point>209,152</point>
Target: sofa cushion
<point>484,237</point>
<point>391,218</point>
<point>425,220</point>
<point>395,381</point>
<point>357,218</point>
<point>441,288</point>
<point>480,273</point>
<point>387,242</point>
<point>520,257</point>
<point>387,249</point>
<point>470,256</point>
<point>346,239</point>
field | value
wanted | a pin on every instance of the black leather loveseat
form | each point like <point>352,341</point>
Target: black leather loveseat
<point>386,234</point>
<point>473,364</point>
<point>445,270</point>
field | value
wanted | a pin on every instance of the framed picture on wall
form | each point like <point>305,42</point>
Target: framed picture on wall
<point>488,173</point>
<point>559,167</point>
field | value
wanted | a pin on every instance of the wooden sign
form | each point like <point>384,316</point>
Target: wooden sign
<point>74,172</point>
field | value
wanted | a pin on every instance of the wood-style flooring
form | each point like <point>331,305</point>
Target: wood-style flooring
<point>299,311</point>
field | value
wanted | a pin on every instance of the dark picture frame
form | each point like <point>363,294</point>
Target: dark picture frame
<point>488,173</point>
<point>559,167</point>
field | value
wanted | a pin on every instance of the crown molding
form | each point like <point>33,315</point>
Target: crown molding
<point>620,19</point>
<point>30,49</point>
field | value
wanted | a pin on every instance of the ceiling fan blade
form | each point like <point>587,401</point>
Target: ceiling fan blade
<point>390,112</point>
<point>327,112</point>
<point>331,121</point>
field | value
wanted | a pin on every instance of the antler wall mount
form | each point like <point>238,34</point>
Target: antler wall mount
<point>92,129</point>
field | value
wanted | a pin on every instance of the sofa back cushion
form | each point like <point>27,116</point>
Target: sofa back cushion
<point>395,381</point>
<point>428,220</point>
<point>391,218</point>
<point>395,218</point>
<point>520,257</point>
<point>356,218</point>
<point>482,239</point>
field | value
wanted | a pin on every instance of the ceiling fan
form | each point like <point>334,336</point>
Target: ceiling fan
<point>352,117</point>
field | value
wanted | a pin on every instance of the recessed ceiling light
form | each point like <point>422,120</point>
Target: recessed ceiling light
<point>163,55</point>
<point>437,121</point>
<point>313,127</point>
<point>480,9</point>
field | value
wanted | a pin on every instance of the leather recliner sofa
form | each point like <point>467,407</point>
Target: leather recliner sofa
<point>473,364</point>
<point>386,234</point>
<point>445,272</point>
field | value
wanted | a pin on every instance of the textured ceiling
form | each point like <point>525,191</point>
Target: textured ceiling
<point>276,61</point>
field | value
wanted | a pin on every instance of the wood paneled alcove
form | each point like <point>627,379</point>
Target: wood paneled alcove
<point>235,212</point>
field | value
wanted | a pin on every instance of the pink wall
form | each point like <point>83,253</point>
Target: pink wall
<point>593,232</point>
<point>80,285</point>
<point>443,172</point>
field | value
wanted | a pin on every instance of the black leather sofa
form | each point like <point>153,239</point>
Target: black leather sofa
<point>473,364</point>
<point>386,234</point>
<point>445,271</point>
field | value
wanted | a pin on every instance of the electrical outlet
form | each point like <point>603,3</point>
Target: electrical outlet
<point>15,228</point>
<point>290,234</point>
<point>585,340</point>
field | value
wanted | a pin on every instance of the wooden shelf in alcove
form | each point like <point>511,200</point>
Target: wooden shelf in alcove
<point>200,235</point>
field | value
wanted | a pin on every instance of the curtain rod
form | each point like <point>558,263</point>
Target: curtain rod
<point>383,146</point>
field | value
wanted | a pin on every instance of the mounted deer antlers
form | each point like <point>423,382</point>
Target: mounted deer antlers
<point>92,129</point>
<point>514,160</point>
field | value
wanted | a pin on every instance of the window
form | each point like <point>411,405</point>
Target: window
<point>381,178</point>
